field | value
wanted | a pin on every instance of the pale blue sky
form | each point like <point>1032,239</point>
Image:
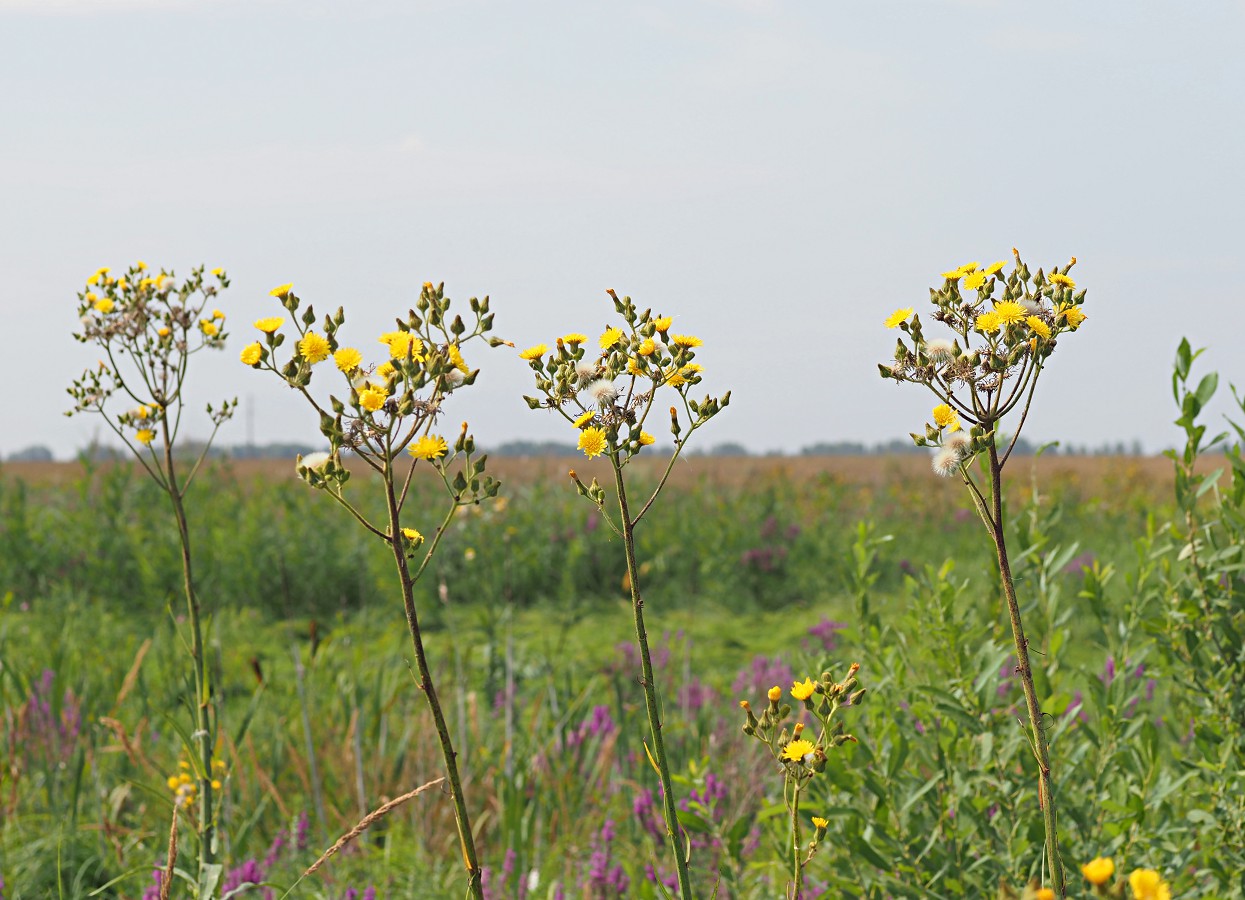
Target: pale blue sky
<point>778,176</point>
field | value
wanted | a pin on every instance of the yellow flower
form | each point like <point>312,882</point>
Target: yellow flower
<point>1060,280</point>
<point>946,417</point>
<point>91,296</point>
<point>104,305</point>
<point>574,338</point>
<point>975,280</point>
<point>102,270</point>
<point>988,323</point>
<point>592,441</point>
<point>663,323</point>
<point>819,822</point>
<point>347,359</point>
<point>145,436</point>
<point>313,347</point>
<point>1073,316</point>
<point>270,324</point>
<point>403,344</point>
<point>583,420</point>
<point>898,317</point>
<point>146,283</point>
<point>141,266</point>
<point>634,367</point>
<point>252,353</point>
<point>164,282</point>
<point>1038,327</point>
<point>93,280</point>
<point>218,271</point>
<point>646,439</point>
<point>687,340</point>
<point>675,378</point>
<point>1009,312</point>
<point>386,370</point>
<point>208,327</point>
<point>611,337</point>
<point>216,784</point>
<point>1044,894</point>
<point>968,268</point>
<point>281,290</point>
<point>163,332</point>
<point>372,399</point>
<point>1147,884</point>
<point>995,267</point>
<point>535,352</point>
<point>122,284</point>
<point>1098,870</point>
<point>217,314</point>
<point>141,412</point>
<point>457,359</point>
<point>797,750</point>
<point>429,447</point>
<point>774,694</point>
<point>953,275</point>
<point>802,690</point>
<point>412,535</point>
<point>647,347</point>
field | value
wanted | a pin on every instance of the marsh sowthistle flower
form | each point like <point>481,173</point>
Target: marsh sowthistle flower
<point>801,752</point>
<point>384,415</point>
<point>1003,328</point>
<point>609,394</point>
<point>148,327</point>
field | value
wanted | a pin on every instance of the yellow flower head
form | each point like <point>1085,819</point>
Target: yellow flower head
<point>122,284</point>
<point>217,314</point>
<point>1009,312</point>
<point>372,399</point>
<point>347,359</point>
<point>145,436</point>
<point>686,340</point>
<point>403,344</point>
<point>313,347</point>
<point>535,352</point>
<point>145,283</point>
<point>975,280</point>
<point>163,332</point>
<point>218,271</point>
<point>592,442</point>
<point>898,317</point>
<point>1060,280</point>
<point>281,290</point>
<point>93,280</point>
<point>953,275</point>
<point>946,417</point>
<point>1147,884</point>
<point>1098,870</point>
<point>646,439</point>
<point>1073,316</point>
<point>802,690</point>
<point>104,305</point>
<point>634,366</point>
<point>412,535</point>
<point>386,370</point>
<point>1044,894</point>
<point>270,324</point>
<point>797,750</point>
<point>647,347</point>
<point>141,266</point>
<point>995,267</point>
<point>252,353</point>
<point>583,419</point>
<point>574,338</point>
<point>164,282</point>
<point>1038,327</point>
<point>988,323</point>
<point>429,447</point>
<point>663,323</point>
<point>208,327</point>
<point>774,694</point>
<point>456,358</point>
<point>968,268</point>
<point>611,337</point>
<point>819,822</point>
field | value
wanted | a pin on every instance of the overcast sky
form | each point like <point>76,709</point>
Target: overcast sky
<point>777,176</point>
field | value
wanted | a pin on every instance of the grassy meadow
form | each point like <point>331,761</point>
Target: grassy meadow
<point>756,572</point>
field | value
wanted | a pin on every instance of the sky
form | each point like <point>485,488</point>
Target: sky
<point>777,176</point>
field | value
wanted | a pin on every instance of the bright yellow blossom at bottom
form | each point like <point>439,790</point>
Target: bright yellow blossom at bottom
<point>1044,894</point>
<point>1147,884</point>
<point>797,750</point>
<point>1098,870</point>
<point>145,436</point>
<point>592,442</point>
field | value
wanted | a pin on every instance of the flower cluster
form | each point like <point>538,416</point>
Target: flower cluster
<point>608,391</point>
<point>158,322</point>
<point>185,784</point>
<point>1143,884</point>
<point>1003,325</point>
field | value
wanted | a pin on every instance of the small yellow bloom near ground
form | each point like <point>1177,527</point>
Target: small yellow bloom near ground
<point>372,399</point>
<point>145,436</point>
<point>313,347</point>
<point>611,337</point>
<point>347,359</point>
<point>1073,316</point>
<point>583,419</point>
<point>1038,327</point>
<point>663,323</point>
<point>802,690</point>
<point>1009,312</point>
<point>988,323</point>
<point>281,290</point>
<point>430,446</point>
<point>975,280</point>
<point>646,439</point>
<point>251,354</point>
<point>270,324</point>
<point>1147,884</point>
<point>898,317</point>
<point>995,267</point>
<point>797,750</point>
<point>1044,894</point>
<point>592,441</point>
<point>1060,280</point>
<point>686,340</point>
<point>1098,870</point>
<point>535,352</point>
<point>574,338</point>
<point>412,535</point>
<point>946,417</point>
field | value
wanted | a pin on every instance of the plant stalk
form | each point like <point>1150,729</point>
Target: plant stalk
<point>673,830</point>
<point>797,868</point>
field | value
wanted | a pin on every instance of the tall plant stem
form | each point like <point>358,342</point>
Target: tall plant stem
<point>797,867</point>
<point>463,820</point>
<point>650,690</point>
<point>203,733</point>
<point>1046,792</point>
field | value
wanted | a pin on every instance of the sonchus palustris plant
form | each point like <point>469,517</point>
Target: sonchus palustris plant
<point>999,328</point>
<point>801,751</point>
<point>385,415</point>
<point>609,391</point>
<point>148,326</point>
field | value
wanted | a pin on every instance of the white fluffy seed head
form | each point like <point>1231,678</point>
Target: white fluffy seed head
<point>585,370</point>
<point>602,392</point>
<point>313,461</point>
<point>940,349</point>
<point>946,462</point>
<point>957,441</point>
